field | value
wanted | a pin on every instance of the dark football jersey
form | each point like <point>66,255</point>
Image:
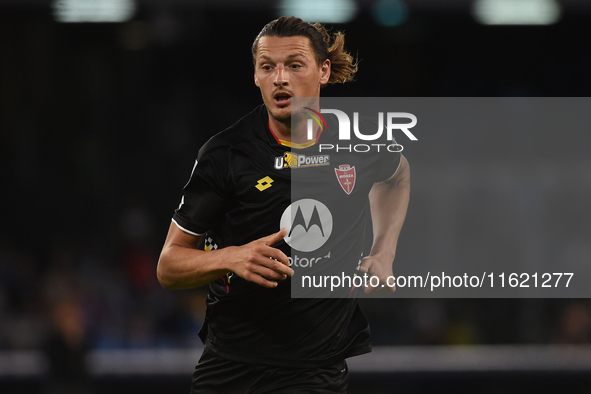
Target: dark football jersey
<point>247,185</point>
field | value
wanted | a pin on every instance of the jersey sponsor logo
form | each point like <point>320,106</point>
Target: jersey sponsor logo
<point>306,262</point>
<point>294,160</point>
<point>346,177</point>
<point>309,223</point>
<point>300,221</point>
<point>264,183</point>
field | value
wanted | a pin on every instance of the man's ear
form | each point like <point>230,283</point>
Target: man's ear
<point>256,80</point>
<point>325,70</point>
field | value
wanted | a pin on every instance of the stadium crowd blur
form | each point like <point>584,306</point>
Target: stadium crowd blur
<point>100,125</point>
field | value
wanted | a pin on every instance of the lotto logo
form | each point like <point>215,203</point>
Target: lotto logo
<point>264,183</point>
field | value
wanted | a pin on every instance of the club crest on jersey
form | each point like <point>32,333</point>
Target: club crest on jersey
<point>346,177</point>
<point>295,160</point>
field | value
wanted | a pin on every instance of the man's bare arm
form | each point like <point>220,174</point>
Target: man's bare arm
<point>389,203</point>
<point>183,266</point>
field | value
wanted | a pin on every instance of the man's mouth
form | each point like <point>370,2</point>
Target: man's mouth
<point>282,98</point>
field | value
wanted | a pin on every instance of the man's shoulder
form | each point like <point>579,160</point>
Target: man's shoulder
<point>248,128</point>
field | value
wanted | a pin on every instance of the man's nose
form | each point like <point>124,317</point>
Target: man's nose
<point>280,76</point>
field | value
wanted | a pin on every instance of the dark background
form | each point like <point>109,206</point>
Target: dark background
<point>100,124</point>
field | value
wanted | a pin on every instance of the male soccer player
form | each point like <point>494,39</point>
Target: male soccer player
<point>227,232</point>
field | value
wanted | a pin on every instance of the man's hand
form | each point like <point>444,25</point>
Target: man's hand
<point>381,269</point>
<point>258,262</point>
<point>183,266</point>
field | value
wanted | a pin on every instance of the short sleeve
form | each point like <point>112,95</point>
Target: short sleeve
<point>387,159</point>
<point>205,193</point>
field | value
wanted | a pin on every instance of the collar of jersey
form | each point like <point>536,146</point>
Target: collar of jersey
<point>290,144</point>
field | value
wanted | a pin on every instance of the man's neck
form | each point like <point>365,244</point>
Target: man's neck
<point>285,132</point>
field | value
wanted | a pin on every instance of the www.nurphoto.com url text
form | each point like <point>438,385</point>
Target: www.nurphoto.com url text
<point>440,281</point>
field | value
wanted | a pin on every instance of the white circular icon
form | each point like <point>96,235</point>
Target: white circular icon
<point>308,223</point>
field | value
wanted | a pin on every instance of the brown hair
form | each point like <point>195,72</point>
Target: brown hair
<point>343,66</point>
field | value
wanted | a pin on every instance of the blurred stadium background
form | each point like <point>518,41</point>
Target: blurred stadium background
<point>104,104</point>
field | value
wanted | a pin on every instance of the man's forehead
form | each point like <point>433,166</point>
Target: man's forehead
<point>269,46</point>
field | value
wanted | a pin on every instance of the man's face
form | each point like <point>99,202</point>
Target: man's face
<point>286,67</point>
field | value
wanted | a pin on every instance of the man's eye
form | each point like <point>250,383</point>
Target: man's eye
<point>296,66</point>
<point>266,68</point>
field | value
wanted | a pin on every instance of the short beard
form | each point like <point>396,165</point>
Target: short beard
<point>285,119</point>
